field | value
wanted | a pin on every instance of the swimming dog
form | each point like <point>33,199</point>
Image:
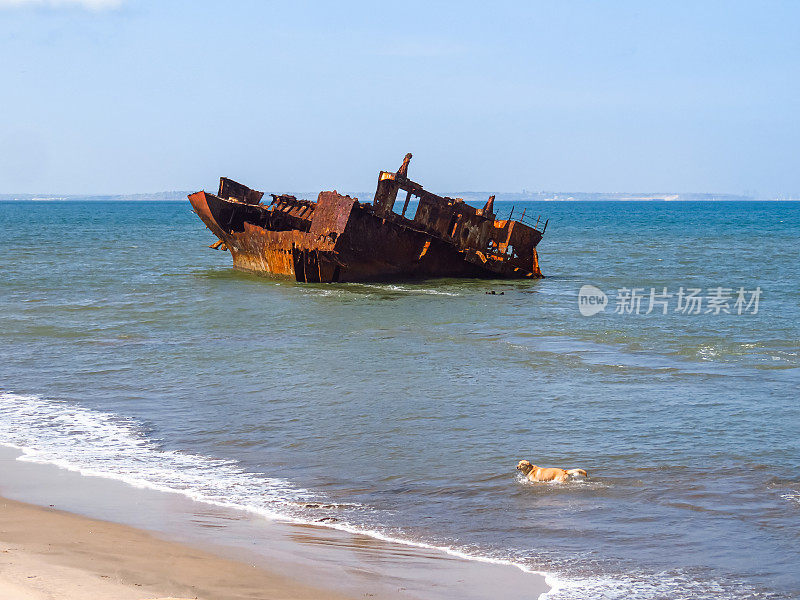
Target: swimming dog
<point>534,473</point>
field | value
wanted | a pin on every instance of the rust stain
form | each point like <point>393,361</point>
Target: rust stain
<point>337,238</point>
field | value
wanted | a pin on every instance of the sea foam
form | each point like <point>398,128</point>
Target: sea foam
<point>103,444</point>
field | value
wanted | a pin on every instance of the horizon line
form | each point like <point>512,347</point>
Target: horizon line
<point>557,197</point>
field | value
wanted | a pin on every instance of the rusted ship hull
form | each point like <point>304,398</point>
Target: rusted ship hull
<point>338,239</point>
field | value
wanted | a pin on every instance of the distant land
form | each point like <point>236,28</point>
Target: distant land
<point>153,197</point>
<point>476,197</point>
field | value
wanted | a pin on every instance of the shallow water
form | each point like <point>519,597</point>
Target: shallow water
<point>129,349</point>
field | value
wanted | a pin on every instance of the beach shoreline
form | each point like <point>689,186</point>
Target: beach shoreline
<point>46,553</point>
<point>68,536</point>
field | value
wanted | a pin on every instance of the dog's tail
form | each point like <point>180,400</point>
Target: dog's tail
<point>575,472</point>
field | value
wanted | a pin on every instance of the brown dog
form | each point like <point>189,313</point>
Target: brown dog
<point>534,473</point>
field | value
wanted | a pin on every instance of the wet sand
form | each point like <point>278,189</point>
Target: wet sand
<point>47,554</point>
<point>152,544</point>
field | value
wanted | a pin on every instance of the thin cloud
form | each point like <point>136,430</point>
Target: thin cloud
<point>86,4</point>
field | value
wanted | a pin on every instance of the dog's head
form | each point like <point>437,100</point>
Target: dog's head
<point>525,466</point>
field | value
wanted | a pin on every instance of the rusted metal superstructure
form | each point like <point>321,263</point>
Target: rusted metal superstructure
<point>337,238</point>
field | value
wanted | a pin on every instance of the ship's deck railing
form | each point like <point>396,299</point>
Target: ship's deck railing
<point>523,216</point>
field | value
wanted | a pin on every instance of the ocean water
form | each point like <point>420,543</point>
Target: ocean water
<point>130,350</point>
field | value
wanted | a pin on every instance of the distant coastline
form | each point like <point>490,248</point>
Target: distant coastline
<point>516,197</point>
<point>177,196</point>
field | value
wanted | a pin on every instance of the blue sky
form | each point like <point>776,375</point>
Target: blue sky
<point>124,96</point>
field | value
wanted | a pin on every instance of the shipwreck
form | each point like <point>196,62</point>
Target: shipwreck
<point>339,239</point>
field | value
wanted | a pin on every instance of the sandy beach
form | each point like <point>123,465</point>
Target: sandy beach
<point>66,536</point>
<point>49,554</point>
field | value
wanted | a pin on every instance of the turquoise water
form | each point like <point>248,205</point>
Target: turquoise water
<point>129,349</point>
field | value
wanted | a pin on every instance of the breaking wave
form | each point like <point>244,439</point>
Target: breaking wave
<point>104,444</point>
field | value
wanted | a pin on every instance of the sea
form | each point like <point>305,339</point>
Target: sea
<point>660,353</point>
